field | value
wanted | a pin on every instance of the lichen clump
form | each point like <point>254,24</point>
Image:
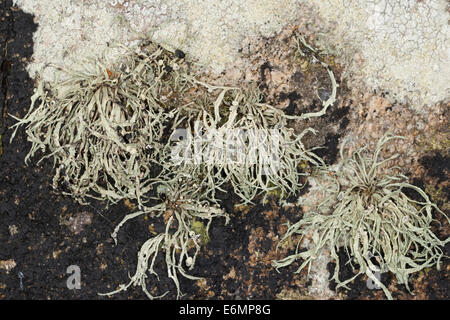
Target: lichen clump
<point>367,212</point>
<point>103,126</point>
<point>183,210</point>
<point>238,141</point>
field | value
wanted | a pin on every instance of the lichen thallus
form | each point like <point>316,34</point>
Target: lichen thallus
<point>366,211</point>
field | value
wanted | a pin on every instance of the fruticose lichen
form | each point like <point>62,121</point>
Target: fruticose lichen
<point>180,241</point>
<point>366,211</point>
<point>103,126</point>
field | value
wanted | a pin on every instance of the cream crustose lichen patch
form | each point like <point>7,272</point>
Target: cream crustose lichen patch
<point>366,212</point>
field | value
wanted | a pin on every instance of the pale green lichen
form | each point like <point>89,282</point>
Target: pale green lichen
<point>181,241</point>
<point>366,212</point>
<point>103,126</point>
<point>240,141</point>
